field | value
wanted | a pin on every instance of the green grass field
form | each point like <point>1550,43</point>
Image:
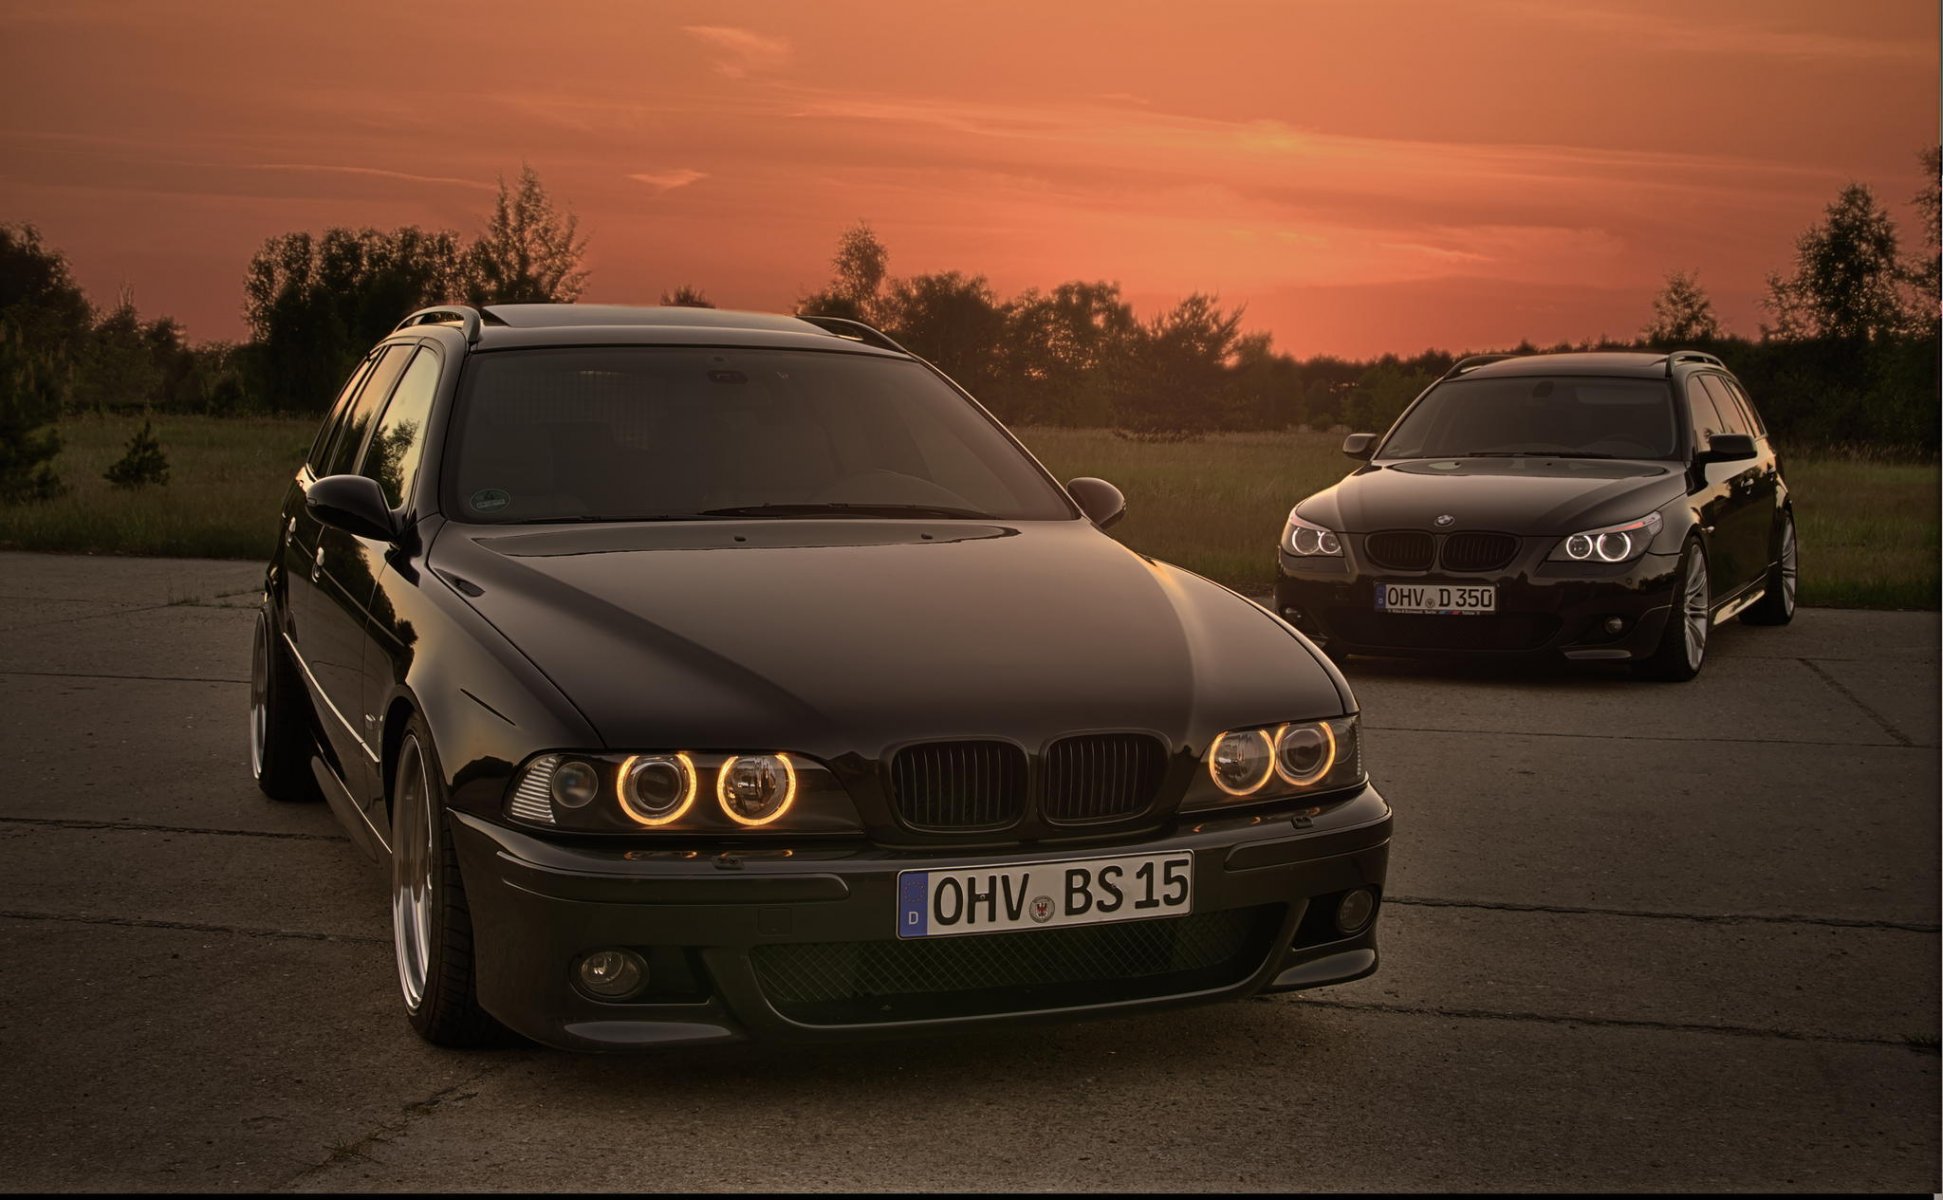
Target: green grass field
<point>1869,530</point>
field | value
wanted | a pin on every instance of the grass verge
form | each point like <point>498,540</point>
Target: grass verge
<point>1869,529</point>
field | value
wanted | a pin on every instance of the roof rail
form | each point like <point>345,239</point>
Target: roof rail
<point>1677,356</point>
<point>446,314</point>
<point>855,331</point>
<point>1474,360</point>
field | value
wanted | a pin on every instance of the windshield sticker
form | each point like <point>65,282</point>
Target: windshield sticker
<point>487,500</point>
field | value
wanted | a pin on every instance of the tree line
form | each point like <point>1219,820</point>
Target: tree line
<point>1848,351</point>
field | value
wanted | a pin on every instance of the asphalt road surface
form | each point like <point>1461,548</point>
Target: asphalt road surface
<point>1637,936</point>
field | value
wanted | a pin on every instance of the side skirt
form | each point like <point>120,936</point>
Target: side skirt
<point>364,835</point>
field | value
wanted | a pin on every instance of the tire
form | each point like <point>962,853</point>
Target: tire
<point>431,926</point>
<point>1777,607</point>
<point>1683,644</point>
<point>280,722</point>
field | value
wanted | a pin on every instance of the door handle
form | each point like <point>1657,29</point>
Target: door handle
<point>317,565</point>
<point>290,531</point>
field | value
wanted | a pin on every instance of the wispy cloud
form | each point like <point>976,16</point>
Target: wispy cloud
<point>1671,34</point>
<point>742,52</point>
<point>668,181</point>
<point>330,169</point>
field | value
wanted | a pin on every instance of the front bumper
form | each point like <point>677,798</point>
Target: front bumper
<point>1542,607</point>
<point>800,943</point>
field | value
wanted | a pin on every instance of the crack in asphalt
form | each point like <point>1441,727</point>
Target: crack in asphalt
<point>1487,1014</point>
<point>303,935</point>
<point>119,612</point>
<point>1843,690</point>
<point>344,1152</point>
<point>1573,910</point>
<point>1711,739</point>
<point>107,675</point>
<point>144,827</point>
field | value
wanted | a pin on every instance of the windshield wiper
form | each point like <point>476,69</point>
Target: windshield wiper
<point>603,519</point>
<point>835,508</point>
<point>1531,454</point>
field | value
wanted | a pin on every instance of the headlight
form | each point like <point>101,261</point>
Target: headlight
<point>1273,762</point>
<point>1305,539</point>
<point>756,789</point>
<point>661,793</point>
<point>1612,544</point>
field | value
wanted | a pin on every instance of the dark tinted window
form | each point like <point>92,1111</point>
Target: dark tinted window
<point>1552,416</point>
<point>1734,420</point>
<point>638,432</point>
<point>349,437</point>
<point>316,456</point>
<point>1747,406</point>
<point>1707,420</point>
<point>399,444</point>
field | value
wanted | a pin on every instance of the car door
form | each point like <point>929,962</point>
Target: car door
<point>297,532</point>
<point>1766,506</point>
<point>328,612</point>
<point>1711,493</point>
<point>1750,510</point>
<point>392,457</point>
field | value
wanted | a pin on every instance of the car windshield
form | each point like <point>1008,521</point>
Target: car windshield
<point>1541,416</point>
<point>654,433</point>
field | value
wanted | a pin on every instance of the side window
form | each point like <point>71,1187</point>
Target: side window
<point>1725,404</point>
<point>399,443</point>
<point>335,415</point>
<point>1747,407</point>
<point>349,438</point>
<point>1706,421</point>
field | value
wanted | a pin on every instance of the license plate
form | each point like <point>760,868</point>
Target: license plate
<point>1091,891</point>
<point>1438,598</point>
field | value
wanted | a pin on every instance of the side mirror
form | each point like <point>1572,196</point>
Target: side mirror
<point>1360,446</point>
<point>352,503</point>
<point>1728,447</point>
<point>1098,499</point>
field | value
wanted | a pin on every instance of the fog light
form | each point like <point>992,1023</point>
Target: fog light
<point>1615,624</point>
<point>1355,909</point>
<point>613,974</point>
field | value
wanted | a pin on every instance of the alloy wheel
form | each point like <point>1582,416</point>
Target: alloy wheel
<point>411,873</point>
<point>259,695</point>
<point>1698,609</point>
<point>1790,568</point>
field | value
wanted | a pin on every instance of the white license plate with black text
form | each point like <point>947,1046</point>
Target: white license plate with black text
<point>1091,891</point>
<point>1438,598</point>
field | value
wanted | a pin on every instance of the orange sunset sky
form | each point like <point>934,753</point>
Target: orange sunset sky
<point>1365,175</point>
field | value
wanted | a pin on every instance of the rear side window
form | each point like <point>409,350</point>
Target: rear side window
<point>1706,419</point>
<point>1747,407</point>
<point>335,418</point>
<point>349,438</point>
<point>1725,404</point>
<point>399,444</point>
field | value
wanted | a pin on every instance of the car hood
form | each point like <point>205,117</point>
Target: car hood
<point>1528,496</point>
<point>829,637</point>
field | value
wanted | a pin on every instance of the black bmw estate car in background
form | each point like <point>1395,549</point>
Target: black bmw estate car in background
<point>700,675</point>
<point>1598,505</point>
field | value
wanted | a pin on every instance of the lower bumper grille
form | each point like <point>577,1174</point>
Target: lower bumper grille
<point>848,983</point>
<point>1508,632</point>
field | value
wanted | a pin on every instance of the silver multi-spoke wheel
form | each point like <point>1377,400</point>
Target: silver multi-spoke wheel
<point>1790,568</point>
<point>259,694</point>
<point>1698,610</point>
<point>412,863</point>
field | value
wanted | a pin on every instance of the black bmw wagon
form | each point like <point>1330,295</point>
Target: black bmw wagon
<point>1599,506</point>
<point>700,675</point>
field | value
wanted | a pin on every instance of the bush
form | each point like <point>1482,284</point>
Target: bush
<point>142,465</point>
<point>32,388</point>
